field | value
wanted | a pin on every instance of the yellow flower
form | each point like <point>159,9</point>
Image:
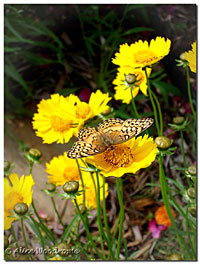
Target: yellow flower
<point>55,120</point>
<point>19,192</point>
<point>62,169</point>
<point>59,118</point>
<point>123,89</point>
<point>90,194</point>
<point>191,57</point>
<point>127,157</point>
<point>84,111</point>
<point>141,54</point>
<point>56,258</point>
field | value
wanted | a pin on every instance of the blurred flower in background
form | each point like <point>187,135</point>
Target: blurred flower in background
<point>191,57</point>
<point>19,192</point>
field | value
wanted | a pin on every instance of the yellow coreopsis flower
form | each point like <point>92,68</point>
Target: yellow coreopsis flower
<point>19,192</point>
<point>127,157</point>
<point>141,54</point>
<point>128,77</point>
<point>55,120</point>
<point>59,118</point>
<point>62,169</point>
<point>83,111</point>
<point>191,57</point>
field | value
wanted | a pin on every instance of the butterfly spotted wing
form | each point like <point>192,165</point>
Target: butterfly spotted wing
<point>89,144</point>
<point>131,128</point>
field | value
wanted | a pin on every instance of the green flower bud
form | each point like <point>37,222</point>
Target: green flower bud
<point>175,256</point>
<point>108,111</point>
<point>193,211</point>
<point>43,234</point>
<point>192,170</point>
<point>130,78</point>
<point>82,209</point>
<point>6,165</point>
<point>50,187</point>
<point>163,142</point>
<point>21,208</point>
<point>35,153</point>
<point>178,120</point>
<point>71,187</point>
<point>191,193</point>
<point>6,242</point>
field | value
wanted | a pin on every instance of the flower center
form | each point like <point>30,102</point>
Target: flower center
<point>144,56</point>
<point>82,111</point>
<point>71,174</point>
<point>121,156</point>
<point>59,124</point>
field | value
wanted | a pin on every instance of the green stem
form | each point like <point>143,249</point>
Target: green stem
<point>183,154</point>
<point>59,218</point>
<point>189,93</point>
<point>14,236</point>
<point>133,103</point>
<point>159,112</point>
<point>99,216</point>
<point>24,236</point>
<point>120,198</point>
<point>79,170</point>
<point>188,233</point>
<point>40,235</point>
<point>153,104</point>
<point>44,228</point>
<point>105,219</point>
<point>31,167</point>
<point>163,185</point>
<point>87,230</point>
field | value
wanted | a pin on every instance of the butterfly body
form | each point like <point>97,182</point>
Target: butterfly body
<point>107,134</point>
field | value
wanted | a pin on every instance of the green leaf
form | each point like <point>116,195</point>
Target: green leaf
<point>168,87</point>
<point>12,72</point>
<point>136,30</point>
<point>68,229</point>
<point>36,59</point>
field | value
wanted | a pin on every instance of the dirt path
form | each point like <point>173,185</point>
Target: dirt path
<point>23,130</point>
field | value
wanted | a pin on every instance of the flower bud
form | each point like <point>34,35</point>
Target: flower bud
<point>130,78</point>
<point>178,120</point>
<point>163,142</point>
<point>107,111</point>
<point>6,165</point>
<point>63,249</point>
<point>193,211</point>
<point>191,193</point>
<point>71,187</point>
<point>35,153</point>
<point>50,187</point>
<point>6,242</point>
<point>21,208</point>
<point>174,256</point>
<point>182,56</point>
<point>192,170</point>
<point>82,209</point>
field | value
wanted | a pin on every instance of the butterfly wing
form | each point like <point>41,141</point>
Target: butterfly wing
<point>82,149</point>
<point>89,144</point>
<point>131,128</point>
<point>110,128</point>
